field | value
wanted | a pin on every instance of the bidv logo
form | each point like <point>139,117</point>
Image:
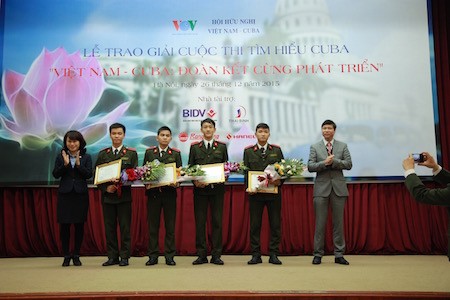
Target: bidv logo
<point>184,25</point>
<point>197,113</point>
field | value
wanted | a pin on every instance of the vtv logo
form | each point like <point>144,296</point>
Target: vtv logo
<point>184,25</point>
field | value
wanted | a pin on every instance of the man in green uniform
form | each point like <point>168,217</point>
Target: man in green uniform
<point>257,158</point>
<point>159,198</point>
<point>437,196</point>
<point>208,151</point>
<point>116,199</point>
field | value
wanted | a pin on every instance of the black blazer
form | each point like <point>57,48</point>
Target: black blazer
<point>73,178</point>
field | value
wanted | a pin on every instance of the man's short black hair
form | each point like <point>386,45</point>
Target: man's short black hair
<point>208,120</point>
<point>329,122</point>
<point>263,126</point>
<point>117,125</point>
<point>162,128</point>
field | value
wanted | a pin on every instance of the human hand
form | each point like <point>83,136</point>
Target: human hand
<point>65,157</point>
<point>429,162</point>
<point>329,160</point>
<point>77,158</point>
<point>276,182</point>
<point>199,184</point>
<point>111,188</point>
<point>251,192</point>
<point>408,163</point>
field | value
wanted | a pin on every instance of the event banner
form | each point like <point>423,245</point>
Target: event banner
<point>85,64</point>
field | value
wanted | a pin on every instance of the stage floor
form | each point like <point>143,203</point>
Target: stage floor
<point>366,273</point>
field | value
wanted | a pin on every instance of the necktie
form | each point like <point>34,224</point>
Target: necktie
<point>209,146</point>
<point>162,153</point>
<point>329,148</point>
<point>116,152</point>
<point>263,151</point>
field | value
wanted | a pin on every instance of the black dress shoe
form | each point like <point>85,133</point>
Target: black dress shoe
<point>152,261</point>
<point>256,259</point>
<point>76,260</point>
<point>200,260</point>
<point>66,261</point>
<point>317,260</point>
<point>123,262</point>
<point>341,261</point>
<point>274,260</point>
<point>216,260</point>
<point>110,262</point>
<point>170,261</point>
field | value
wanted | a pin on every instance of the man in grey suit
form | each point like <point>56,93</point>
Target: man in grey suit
<point>439,196</point>
<point>328,158</point>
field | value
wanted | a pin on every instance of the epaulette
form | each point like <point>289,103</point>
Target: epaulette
<point>152,148</point>
<point>273,145</point>
<point>175,149</point>
<point>220,142</point>
<point>195,143</point>
<point>249,146</point>
<point>131,149</point>
<point>107,149</point>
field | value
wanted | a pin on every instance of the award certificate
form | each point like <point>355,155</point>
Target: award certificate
<point>170,176</point>
<point>108,172</point>
<point>257,186</point>
<point>214,173</point>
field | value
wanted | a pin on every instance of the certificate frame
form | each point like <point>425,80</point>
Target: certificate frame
<point>253,184</point>
<point>108,171</point>
<point>170,176</point>
<point>214,173</point>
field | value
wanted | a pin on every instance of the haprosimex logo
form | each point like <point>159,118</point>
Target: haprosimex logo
<point>181,25</point>
<point>183,136</point>
<point>241,136</point>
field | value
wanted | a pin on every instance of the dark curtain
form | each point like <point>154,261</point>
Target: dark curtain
<point>441,28</point>
<point>380,218</point>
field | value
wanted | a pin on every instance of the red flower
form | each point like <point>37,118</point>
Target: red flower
<point>132,176</point>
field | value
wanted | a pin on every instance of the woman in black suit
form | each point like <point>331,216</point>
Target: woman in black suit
<point>74,167</point>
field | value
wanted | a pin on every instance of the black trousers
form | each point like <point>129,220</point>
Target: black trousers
<point>65,238</point>
<point>257,204</point>
<point>201,203</point>
<point>161,199</point>
<point>113,214</point>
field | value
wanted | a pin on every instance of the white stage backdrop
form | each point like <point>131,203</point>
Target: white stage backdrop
<point>84,64</point>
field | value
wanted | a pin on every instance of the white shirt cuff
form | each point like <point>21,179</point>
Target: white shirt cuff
<point>409,172</point>
<point>438,170</point>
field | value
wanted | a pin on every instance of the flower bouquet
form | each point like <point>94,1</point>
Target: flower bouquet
<point>188,172</point>
<point>286,168</point>
<point>289,167</point>
<point>234,167</point>
<point>150,172</point>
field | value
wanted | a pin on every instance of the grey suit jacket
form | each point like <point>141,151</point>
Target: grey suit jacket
<point>329,177</point>
<point>439,196</point>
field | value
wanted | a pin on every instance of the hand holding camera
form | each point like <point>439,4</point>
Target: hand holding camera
<point>422,159</point>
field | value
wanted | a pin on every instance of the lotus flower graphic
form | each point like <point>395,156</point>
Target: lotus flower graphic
<point>43,105</point>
